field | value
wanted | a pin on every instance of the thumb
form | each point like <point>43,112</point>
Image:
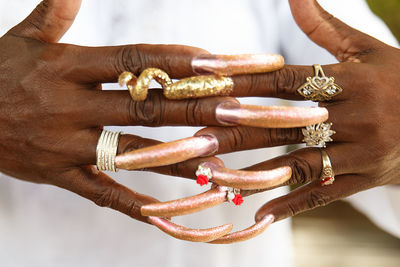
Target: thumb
<point>49,21</point>
<point>344,42</point>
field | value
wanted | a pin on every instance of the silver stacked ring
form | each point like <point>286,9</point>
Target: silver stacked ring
<point>106,150</point>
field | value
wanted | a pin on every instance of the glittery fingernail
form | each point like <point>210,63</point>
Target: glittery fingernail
<point>269,116</point>
<point>248,179</point>
<point>168,153</point>
<point>246,234</point>
<point>229,65</point>
<point>188,234</point>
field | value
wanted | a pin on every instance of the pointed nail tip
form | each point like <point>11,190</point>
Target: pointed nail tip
<point>189,234</point>
<point>230,65</point>
<point>269,218</point>
<point>246,234</point>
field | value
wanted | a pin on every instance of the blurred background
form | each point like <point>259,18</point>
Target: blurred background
<point>339,235</point>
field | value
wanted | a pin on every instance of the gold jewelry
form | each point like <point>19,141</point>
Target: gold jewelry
<point>318,134</point>
<point>327,175</point>
<point>319,87</point>
<point>106,150</point>
<point>192,87</point>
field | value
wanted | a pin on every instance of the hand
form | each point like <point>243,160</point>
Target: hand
<point>365,150</point>
<point>52,109</point>
<point>52,112</point>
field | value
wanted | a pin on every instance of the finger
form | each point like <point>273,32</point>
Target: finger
<point>49,20</point>
<point>342,41</point>
<point>284,83</point>
<point>187,205</point>
<point>222,177</point>
<point>173,152</point>
<point>105,64</point>
<point>306,163</point>
<point>117,108</point>
<point>167,153</point>
<point>141,153</point>
<point>270,116</point>
<point>104,191</point>
<point>86,152</point>
<point>248,179</point>
<point>246,234</point>
<point>312,196</point>
<point>231,139</point>
<point>230,65</point>
<point>194,235</point>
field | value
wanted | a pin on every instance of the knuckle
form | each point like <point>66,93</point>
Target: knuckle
<point>301,170</point>
<point>40,12</point>
<point>147,112</point>
<point>130,143</point>
<point>193,112</point>
<point>237,137</point>
<point>107,196</point>
<point>317,198</point>
<point>285,81</point>
<point>129,59</point>
<point>174,170</point>
<point>292,209</point>
<point>283,136</point>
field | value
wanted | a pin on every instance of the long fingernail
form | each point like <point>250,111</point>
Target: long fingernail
<point>246,234</point>
<point>168,153</point>
<point>270,116</point>
<point>248,179</point>
<point>194,235</point>
<point>188,205</point>
<point>230,65</point>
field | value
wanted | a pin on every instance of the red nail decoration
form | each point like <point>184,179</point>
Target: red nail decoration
<point>237,200</point>
<point>203,174</point>
<point>202,179</point>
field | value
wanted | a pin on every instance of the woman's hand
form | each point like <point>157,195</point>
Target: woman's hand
<point>365,152</point>
<point>52,110</point>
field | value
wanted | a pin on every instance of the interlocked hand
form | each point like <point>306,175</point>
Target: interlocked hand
<point>52,111</point>
<point>365,116</point>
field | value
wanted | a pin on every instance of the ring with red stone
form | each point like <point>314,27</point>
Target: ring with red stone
<point>327,175</point>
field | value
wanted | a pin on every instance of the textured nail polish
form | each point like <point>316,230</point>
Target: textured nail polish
<point>248,179</point>
<point>229,65</point>
<point>270,116</point>
<point>246,234</point>
<point>168,153</point>
<point>187,205</point>
<point>188,234</point>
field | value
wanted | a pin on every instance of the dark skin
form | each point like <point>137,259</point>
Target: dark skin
<point>52,110</point>
<point>365,152</point>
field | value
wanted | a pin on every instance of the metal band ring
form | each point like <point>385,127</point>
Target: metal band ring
<point>106,150</point>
